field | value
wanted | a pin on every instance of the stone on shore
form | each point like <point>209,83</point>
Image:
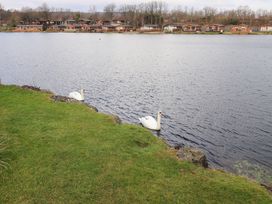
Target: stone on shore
<point>268,187</point>
<point>91,107</point>
<point>193,155</point>
<point>71,100</point>
<point>63,98</point>
<point>117,119</point>
<point>33,88</point>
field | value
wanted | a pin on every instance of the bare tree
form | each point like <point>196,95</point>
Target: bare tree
<point>209,14</point>
<point>92,9</point>
<point>93,13</point>
<point>242,13</point>
<point>109,11</point>
<point>129,13</point>
<point>27,15</point>
<point>1,11</point>
<point>44,11</point>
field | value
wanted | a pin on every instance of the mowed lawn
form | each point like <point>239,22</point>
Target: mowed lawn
<point>67,153</point>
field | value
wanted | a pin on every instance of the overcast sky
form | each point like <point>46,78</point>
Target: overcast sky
<point>83,5</point>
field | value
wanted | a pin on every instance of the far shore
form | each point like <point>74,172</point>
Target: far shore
<point>137,32</point>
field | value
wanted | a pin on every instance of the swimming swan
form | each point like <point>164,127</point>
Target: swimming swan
<point>76,95</point>
<point>150,122</point>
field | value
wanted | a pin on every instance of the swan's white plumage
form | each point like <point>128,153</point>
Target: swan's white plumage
<point>151,123</point>
<point>76,95</point>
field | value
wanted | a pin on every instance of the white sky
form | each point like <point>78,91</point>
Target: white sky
<point>83,5</point>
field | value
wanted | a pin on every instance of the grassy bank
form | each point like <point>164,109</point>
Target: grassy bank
<point>67,153</point>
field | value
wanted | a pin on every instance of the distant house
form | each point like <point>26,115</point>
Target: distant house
<point>256,29</point>
<point>69,29</point>
<point>170,28</point>
<point>29,28</point>
<point>109,28</point>
<point>241,29</point>
<point>70,22</point>
<point>56,22</point>
<point>61,27</point>
<point>191,28</point>
<point>82,27</point>
<point>118,21</point>
<point>54,28</point>
<point>54,25</point>
<point>106,22</point>
<point>43,22</point>
<point>116,25</point>
<point>95,28</point>
<point>266,29</point>
<point>150,28</point>
<point>72,27</point>
<point>84,21</point>
<point>215,28</point>
<point>123,28</point>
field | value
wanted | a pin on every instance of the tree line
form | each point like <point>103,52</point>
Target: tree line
<point>136,15</point>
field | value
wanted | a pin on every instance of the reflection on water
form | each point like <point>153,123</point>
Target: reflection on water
<point>215,91</point>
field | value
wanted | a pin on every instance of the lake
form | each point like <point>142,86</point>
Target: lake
<point>215,91</point>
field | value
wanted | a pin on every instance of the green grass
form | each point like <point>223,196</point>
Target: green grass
<point>67,153</point>
<point>3,153</point>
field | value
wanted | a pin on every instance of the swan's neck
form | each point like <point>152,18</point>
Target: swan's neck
<point>82,93</point>
<point>159,121</point>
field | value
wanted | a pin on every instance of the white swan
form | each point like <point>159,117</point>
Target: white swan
<point>150,122</point>
<point>76,95</point>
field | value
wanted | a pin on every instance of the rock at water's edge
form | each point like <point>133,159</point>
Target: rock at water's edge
<point>269,188</point>
<point>34,88</point>
<point>71,100</point>
<point>116,119</point>
<point>31,88</point>
<point>193,155</point>
<point>63,99</point>
<point>91,107</point>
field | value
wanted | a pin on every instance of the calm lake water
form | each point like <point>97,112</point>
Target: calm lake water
<point>215,91</point>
